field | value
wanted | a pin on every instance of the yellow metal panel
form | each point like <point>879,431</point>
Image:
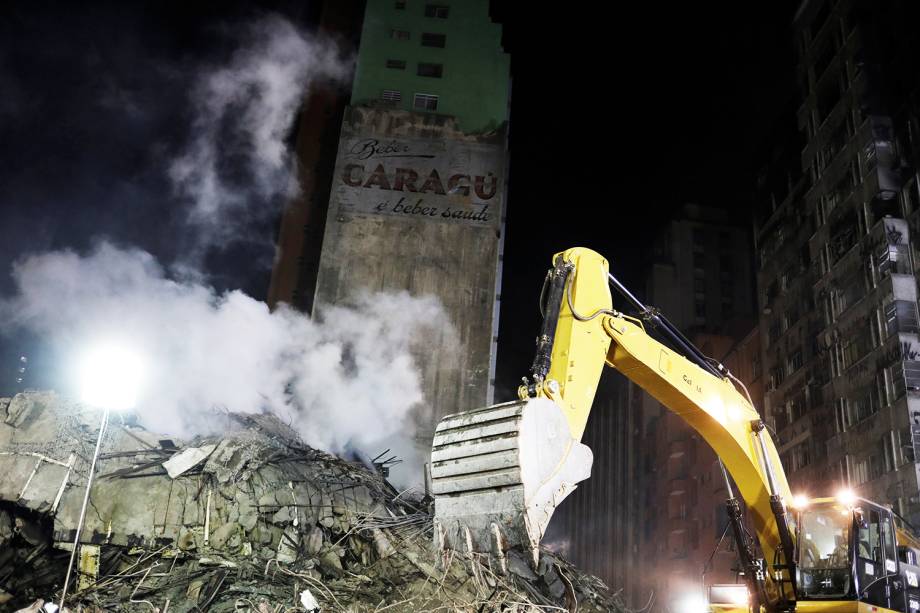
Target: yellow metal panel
<point>712,407</point>
<point>580,347</point>
<point>829,606</point>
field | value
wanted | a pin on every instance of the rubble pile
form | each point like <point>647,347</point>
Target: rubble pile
<point>252,520</point>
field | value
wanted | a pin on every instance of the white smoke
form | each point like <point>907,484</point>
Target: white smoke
<point>349,380</point>
<point>346,382</point>
<point>237,161</point>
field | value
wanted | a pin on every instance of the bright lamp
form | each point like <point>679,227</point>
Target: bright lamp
<point>109,377</point>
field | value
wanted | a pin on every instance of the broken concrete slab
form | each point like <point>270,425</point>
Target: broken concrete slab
<point>187,459</point>
<point>247,528</point>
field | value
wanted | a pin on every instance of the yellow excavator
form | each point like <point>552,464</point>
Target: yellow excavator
<point>498,473</point>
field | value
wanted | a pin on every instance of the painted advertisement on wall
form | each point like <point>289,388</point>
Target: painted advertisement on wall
<point>416,205</point>
<point>437,180</point>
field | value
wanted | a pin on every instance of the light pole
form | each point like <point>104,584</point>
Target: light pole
<point>109,379</point>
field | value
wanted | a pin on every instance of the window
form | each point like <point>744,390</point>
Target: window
<point>786,277</point>
<point>909,197</point>
<point>699,236</point>
<point>392,96</point>
<point>843,415</point>
<point>824,556</point>
<point>891,450</point>
<point>777,375</point>
<point>699,284</point>
<point>399,34</point>
<point>433,40</point>
<point>425,102</point>
<point>774,332</point>
<point>430,70</point>
<point>436,10</point>
<point>398,64</point>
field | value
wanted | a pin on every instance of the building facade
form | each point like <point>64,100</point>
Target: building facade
<point>685,543</point>
<point>701,278</point>
<point>836,276</point>
<point>701,275</point>
<point>409,194</point>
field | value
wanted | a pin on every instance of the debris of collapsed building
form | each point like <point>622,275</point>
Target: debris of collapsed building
<point>252,520</point>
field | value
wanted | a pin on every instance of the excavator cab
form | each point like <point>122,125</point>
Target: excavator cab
<point>852,549</point>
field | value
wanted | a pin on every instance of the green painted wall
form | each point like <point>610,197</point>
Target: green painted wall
<point>475,78</point>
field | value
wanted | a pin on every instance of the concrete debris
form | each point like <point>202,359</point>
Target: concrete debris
<point>187,459</point>
<point>253,520</point>
<point>308,601</point>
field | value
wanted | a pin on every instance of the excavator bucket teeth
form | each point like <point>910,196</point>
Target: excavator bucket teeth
<point>498,473</point>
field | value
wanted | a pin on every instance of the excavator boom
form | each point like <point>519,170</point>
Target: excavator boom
<point>498,473</point>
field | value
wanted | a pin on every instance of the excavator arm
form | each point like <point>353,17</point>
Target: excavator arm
<point>498,473</point>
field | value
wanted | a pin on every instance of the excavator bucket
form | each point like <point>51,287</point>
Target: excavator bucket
<point>498,473</point>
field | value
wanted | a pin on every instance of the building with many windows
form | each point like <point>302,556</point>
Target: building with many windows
<point>836,250</point>
<point>701,274</point>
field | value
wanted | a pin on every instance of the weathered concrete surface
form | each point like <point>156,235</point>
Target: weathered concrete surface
<point>417,205</point>
<point>248,529</point>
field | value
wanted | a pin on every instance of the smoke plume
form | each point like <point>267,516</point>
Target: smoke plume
<point>346,382</point>
<point>349,380</point>
<point>237,163</point>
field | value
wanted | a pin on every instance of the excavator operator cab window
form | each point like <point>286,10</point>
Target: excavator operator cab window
<point>824,569</point>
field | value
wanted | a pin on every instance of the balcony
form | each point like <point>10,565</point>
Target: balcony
<point>893,259</point>
<point>905,377</point>
<point>901,316</point>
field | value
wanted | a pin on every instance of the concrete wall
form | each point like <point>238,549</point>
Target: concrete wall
<point>417,205</point>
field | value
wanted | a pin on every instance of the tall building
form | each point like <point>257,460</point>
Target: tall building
<point>404,187</point>
<point>701,278</point>
<point>701,274</point>
<point>836,279</point>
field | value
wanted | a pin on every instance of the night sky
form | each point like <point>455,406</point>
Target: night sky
<point>617,119</point>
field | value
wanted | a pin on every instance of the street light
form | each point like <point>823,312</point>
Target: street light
<point>109,379</point>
